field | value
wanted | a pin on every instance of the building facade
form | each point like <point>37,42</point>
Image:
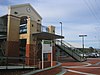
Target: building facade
<point>24,33</point>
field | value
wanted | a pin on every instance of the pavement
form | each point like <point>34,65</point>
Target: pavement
<point>89,67</point>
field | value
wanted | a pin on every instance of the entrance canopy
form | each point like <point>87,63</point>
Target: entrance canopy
<point>47,36</point>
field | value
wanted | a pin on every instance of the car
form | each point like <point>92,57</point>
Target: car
<point>94,55</point>
<point>85,55</point>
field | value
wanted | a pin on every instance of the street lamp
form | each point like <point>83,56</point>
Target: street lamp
<point>83,41</point>
<point>58,51</point>
<point>61,31</point>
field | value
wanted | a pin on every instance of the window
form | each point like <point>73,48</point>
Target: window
<point>23,24</point>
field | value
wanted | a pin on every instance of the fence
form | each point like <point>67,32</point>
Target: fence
<point>14,62</point>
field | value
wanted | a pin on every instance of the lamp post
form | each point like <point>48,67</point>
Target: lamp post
<point>61,31</point>
<point>58,53</point>
<point>83,41</point>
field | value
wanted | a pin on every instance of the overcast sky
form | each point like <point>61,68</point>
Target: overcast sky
<point>77,17</point>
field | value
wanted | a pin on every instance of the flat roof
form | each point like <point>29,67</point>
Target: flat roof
<point>4,16</point>
<point>47,36</point>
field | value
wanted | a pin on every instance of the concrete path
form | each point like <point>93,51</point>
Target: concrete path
<point>90,67</point>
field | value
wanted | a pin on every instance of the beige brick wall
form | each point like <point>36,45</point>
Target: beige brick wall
<point>51,29</point>
<point>13,28</point>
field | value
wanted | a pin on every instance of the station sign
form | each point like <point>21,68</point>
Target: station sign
<point>46,46</point>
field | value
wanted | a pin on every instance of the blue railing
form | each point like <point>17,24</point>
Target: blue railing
<point>44,29</point>
<point>23,28</point>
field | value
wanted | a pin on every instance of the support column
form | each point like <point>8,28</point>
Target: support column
<point>13,36</point>
<point>52,30</point>
<point>31,46</point>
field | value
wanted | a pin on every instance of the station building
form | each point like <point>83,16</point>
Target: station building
<point>22,38</point>
<point>21,34</point>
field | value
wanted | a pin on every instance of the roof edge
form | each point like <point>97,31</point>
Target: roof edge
<point>21,5</point>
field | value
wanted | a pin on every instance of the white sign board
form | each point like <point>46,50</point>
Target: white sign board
<point>46,46</point>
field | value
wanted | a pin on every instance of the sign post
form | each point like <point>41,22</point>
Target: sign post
<point>46,48</point>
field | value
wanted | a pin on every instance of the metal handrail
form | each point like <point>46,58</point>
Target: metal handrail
<point>72,50</point>
<point>5,59</point>
<point>9,62</point>
<point>23,28</point>
<point>44,29</point>
<point>72,47</point>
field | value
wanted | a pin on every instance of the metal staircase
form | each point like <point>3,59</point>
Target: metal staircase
<point>70,50</point>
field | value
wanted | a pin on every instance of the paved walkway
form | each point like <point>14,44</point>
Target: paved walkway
<point>89,67</point>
